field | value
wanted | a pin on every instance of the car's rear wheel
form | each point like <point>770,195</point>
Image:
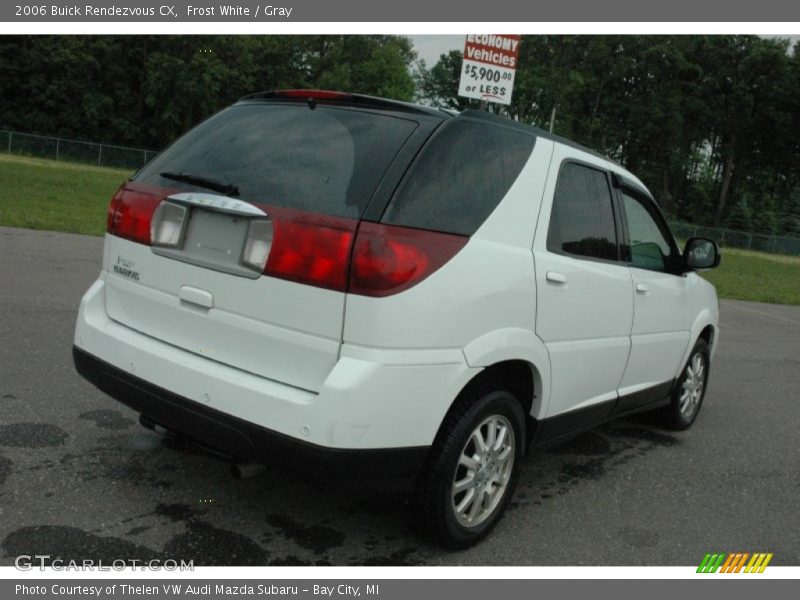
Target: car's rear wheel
<point>473,467</point>
<point>690,390</point>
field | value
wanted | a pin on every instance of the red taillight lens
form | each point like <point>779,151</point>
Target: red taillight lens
<point>389,259</point>
<point>309,248</point>
<point>130,214</point>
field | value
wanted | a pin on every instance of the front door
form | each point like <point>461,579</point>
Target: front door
<point>661,323</point>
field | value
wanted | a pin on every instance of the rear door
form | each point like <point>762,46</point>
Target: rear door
<point>584,291</point>
<point>307,173</point>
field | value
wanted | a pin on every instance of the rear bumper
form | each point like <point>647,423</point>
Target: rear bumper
<point>375,415</point>
<point>395,468</point>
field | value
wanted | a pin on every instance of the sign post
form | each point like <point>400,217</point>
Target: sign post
<point>490,62</point>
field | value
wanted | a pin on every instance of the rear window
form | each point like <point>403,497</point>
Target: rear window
<point>582,218</point>
<point>326,160</point>
<point>460,177</point>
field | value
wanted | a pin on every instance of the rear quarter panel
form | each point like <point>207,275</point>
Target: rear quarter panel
<point>488,287</point>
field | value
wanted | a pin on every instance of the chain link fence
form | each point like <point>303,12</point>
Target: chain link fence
<point>773,244</point>
<point>42,146</point>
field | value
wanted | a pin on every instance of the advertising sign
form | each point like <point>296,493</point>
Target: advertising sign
<point>490,62</point>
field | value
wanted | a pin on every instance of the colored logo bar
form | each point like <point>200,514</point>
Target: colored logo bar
<point>735,562</point>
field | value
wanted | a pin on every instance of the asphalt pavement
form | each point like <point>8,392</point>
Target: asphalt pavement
<point>80,478</point>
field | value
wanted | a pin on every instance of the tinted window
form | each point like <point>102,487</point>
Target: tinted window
<point>460,177</point>
<point>582,218</point>
<point>649,246</point>
<point>326,160</point>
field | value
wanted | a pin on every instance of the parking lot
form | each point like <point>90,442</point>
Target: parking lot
<point>79,478</point>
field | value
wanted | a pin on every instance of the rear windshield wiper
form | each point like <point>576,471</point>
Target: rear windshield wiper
<point>212,184</point>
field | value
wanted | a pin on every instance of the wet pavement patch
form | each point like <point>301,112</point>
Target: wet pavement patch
<point>591,469</point>
<point>5,469</point>
<point>32,435</point>
<point>71,543</point>
<point>380,503</point>
<point>587,444</point>
<point>118,464</point>
<point>589,457</point>
<point>138,530</point>
<point>400,558</point>
<point>645,435</point>
<point>205,544</point>
<point>317,538</point>
<point>108,419</point>
<point>175,512</point>
<point>208,545</point>
<point>290,561</point>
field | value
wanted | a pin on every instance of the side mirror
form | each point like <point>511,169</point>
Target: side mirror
<point>701,253</point>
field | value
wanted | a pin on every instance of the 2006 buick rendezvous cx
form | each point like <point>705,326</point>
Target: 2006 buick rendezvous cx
<point>393,292</point>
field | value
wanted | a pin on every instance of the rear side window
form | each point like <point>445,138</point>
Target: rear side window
<point>325,160</point>
<point>582,218</point>
<point>460,177</point>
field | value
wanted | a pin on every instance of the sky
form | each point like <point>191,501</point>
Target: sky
<point>429,47</point>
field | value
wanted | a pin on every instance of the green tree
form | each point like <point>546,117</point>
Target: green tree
<point>377,65</point>
<point>741,216</point>
<point>438,86</point>
<point>790,223</point>
<point>146,90</point>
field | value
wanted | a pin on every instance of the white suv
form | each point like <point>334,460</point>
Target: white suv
<point>360,287</point>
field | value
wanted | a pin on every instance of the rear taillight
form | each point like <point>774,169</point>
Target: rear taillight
<point>130,214</point>
<point>389,259</point>
<point>309,248</point>
<point>386,259</point>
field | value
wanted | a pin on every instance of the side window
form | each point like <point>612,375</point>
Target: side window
<point>649,246</point>
<point>582,218</point>
<point>460,177</point>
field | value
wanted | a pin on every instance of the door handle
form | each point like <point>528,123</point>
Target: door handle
<point>556,277</point>
<point>642,288</point>
<point>196,296</point>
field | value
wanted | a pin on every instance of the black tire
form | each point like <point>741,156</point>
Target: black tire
<point>674,416</point>
<point>435,513</point>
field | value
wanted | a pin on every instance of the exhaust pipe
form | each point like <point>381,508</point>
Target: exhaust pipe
<point>246,470</point>
<point>171,438</point>
<point>240,470</point>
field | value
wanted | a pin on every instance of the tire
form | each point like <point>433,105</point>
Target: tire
<point>690,389</point>
<point>484,413</point>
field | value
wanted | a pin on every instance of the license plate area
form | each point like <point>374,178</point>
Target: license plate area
<point>214,240</point>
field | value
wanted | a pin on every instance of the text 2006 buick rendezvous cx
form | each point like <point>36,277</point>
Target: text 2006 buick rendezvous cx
<point>395,293</point>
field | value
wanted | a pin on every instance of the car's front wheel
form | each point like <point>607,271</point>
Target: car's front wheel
<point>690,390</point>
<point>473,467</point>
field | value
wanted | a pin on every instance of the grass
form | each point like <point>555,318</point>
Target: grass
<point>757,276</point>
<point>61,196</point>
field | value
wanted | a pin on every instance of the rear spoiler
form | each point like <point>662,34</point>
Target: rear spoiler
<point>314,97</point>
